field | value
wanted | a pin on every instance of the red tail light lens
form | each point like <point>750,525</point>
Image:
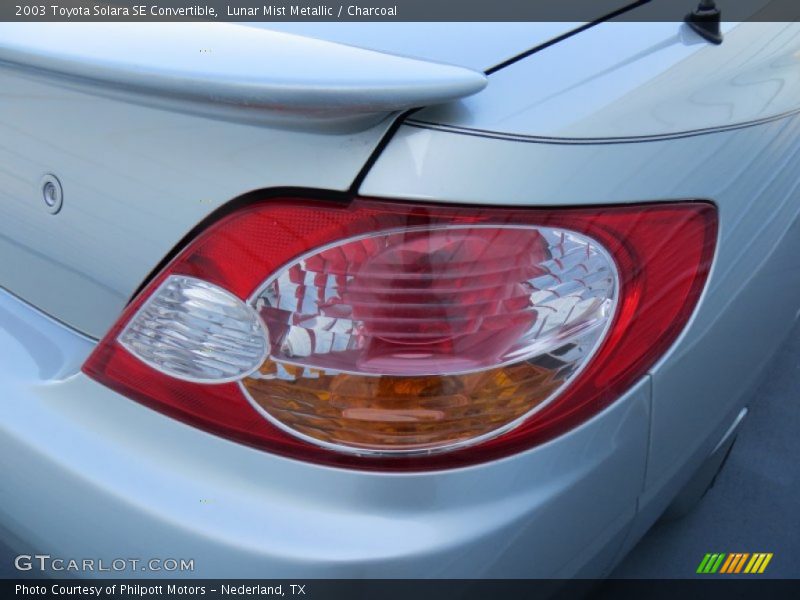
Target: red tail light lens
<point>388,335</point>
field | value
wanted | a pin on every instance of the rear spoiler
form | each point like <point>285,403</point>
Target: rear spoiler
<point>229,71</point>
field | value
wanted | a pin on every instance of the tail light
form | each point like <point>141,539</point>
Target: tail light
<point>393,335</point>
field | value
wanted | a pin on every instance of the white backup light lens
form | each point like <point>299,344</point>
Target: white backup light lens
<point>196,331</point>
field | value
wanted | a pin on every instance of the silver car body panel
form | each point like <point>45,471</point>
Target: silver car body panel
<point>650,81</point>
<point>229,71</point>
<point>753,293</point>
<point>135,180</point>
<point>478,46</point>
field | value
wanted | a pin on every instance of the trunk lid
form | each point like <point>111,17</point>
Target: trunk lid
<point>143,153</point>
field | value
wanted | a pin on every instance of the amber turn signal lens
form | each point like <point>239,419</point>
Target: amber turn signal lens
<point>386,413</point>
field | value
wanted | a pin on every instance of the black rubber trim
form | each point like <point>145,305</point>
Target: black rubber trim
<point>540,139</point>
<point>376,152</point>
<point>565,36</point>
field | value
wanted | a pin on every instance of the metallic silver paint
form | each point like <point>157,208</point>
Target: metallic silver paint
<point>753,293</point>
<point>477,46</point>
<point>229,71</point>
<point>627,80</point>
<point>138,180</point>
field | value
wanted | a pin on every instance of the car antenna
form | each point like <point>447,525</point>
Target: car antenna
<point>705,21</point>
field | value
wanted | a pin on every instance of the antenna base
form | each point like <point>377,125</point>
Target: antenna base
<point>705,21</point>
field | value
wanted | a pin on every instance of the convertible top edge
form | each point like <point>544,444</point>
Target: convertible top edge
<point>230,71</point>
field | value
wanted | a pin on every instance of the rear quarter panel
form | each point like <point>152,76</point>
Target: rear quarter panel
<point>744,156</point>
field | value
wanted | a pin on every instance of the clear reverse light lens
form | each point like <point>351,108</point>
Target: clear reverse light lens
<point>196,331</point>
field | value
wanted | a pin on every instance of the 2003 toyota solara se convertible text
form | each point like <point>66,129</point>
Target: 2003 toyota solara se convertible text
<point>385,300</point>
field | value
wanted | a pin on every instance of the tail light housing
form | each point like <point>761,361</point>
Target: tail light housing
<point>397,335</point>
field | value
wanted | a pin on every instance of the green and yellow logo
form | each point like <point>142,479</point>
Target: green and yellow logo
<point>736,562</point>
